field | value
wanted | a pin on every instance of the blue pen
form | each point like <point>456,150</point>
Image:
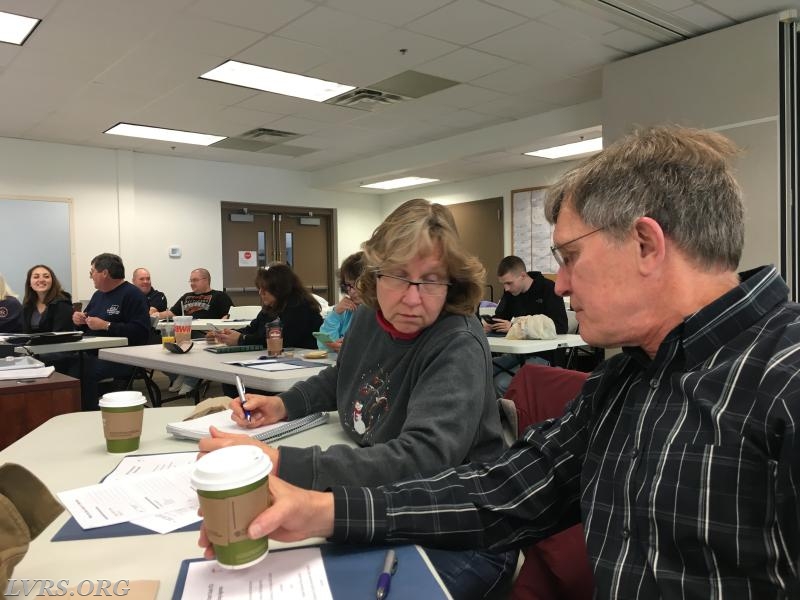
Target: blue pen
<point>240,388</point>
<point>385,578</point>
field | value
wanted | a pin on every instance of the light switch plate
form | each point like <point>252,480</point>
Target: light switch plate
<point>174,251</point>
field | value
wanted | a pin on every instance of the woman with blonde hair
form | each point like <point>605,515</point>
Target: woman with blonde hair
<point>412,383</point>
<point>10,309</point>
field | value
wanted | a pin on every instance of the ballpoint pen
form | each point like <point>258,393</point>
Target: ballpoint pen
<point>240,389</point>
<point>385,578</point>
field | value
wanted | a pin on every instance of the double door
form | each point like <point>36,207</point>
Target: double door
<point>254,235</point>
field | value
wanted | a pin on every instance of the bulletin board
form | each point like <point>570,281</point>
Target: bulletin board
<point>531,234</point>
<point>35,231</point>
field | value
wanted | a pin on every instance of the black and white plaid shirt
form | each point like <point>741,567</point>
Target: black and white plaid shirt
<point>684,469</point>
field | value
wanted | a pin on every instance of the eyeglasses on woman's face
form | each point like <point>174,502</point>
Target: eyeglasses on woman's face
<point>396,283</point>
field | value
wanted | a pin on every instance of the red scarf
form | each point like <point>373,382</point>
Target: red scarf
<point>391,330</point>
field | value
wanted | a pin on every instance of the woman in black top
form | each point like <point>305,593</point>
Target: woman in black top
<point>283,297</point>
<point>46,306</point>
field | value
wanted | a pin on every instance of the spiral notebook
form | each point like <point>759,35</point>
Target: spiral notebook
<point>198,428</point>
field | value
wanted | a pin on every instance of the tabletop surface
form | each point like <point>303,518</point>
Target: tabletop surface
<point>502,344</point>
<point>69,451</point>
<point>207,365</point>
<point>88,342</point>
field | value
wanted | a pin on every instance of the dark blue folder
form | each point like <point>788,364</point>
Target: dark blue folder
<point>353,573</point>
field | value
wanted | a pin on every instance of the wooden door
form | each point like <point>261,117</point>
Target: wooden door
<point>301,237</point>
<point>480,225</point>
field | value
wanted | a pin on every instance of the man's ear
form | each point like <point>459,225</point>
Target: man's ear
<point>651,243</point>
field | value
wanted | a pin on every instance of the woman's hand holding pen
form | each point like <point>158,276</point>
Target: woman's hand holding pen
<point>264,410</point>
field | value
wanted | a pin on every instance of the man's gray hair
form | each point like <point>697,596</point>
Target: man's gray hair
<point>679,177</point>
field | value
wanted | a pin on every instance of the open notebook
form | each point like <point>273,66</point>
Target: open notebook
<point>198,428</point>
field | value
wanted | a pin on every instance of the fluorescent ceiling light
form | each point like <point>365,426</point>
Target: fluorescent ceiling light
<point>166,135</point>
<point>15,29</point>
<point>582,147</point>
<point>277,82</point>
<point>393,184</point>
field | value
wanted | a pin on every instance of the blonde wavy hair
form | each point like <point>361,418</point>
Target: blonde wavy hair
<point>5,289</point>
<point>421,228</point>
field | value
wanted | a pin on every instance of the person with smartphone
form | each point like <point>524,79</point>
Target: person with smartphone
<point>524,293</point>
<point>337,322</point>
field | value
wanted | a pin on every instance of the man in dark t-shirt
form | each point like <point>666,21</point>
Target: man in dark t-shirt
<point>202,302</point>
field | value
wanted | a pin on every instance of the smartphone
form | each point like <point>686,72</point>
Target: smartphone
<point>488,318</point>
<point>323,337</point>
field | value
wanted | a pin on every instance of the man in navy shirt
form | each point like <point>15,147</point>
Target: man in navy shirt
<point>118,308</point>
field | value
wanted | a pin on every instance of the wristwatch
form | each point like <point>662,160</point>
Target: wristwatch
<point>108,326</point>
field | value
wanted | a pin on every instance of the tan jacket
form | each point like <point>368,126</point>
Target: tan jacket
<point>26,508</point>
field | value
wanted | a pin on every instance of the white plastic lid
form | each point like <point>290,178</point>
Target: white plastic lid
<point>231,467</point>
<point>121,399</point>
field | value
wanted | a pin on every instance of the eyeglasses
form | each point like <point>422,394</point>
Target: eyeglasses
<point>197,280</point>
<point>346,287</point>
<point>401,284</point>
<point>556,250</point>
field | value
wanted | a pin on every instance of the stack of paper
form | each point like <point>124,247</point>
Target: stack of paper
<point>151,491</point>
<point>23,367</point>
<point>196,429</point>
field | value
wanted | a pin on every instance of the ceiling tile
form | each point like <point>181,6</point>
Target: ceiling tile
<point>513,107</point>
<point>567,92</point>
<point>156,69</point>
<point>327,113</point>
<point>8,52</point>
<point>240,119</point>
<point>464,65</point>
<point>470,119</point>
<point>704,17</point>
<point>382,121</point>
<point>510,81</point>
<point>575,21</point>
<point>283,54</point>
<point>261,16</point>
<point>532,44</point>
<point>383,60</point>
<point>297,125</point>
<point>463,96</point>
<point>528,8</point>
<point>744,10</point>
<point>335,30</point>
<point>629,41</point>
<point>388,11</point>
<point>274,103</point>
<point>198,34</point>
<point>670,5</point>
<point>26,8</point>
<point>465,22</point>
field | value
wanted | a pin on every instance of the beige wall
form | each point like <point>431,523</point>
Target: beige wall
<point>725,80</point>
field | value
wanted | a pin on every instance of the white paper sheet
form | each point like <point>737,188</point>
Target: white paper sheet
<point>298,574</point>
<point>130,498</point>
<point>142,464</point>
<point>34,373</point>
<point>274,367</point>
